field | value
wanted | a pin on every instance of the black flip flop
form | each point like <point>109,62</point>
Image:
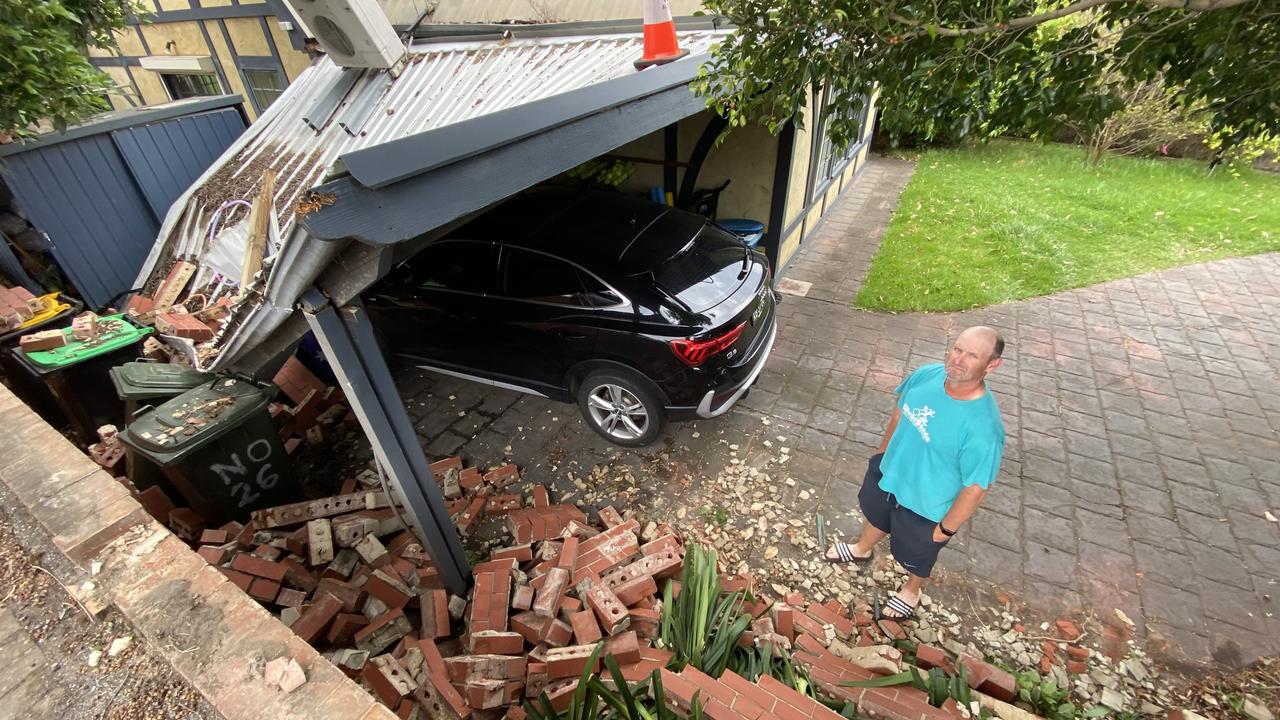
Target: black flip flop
<point>906,613</point>
<point>844,554</point>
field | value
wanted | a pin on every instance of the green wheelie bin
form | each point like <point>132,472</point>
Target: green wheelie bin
<point>217,446</point>
<point>76,374</point>
<point>139,384</point>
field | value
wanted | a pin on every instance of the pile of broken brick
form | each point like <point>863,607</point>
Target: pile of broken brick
<point>86,328</point>
<point>346,576</point>
<point>17,306</point>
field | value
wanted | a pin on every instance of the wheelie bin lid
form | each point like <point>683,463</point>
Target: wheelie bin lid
<point>182,426</point>
<point>150,380</point>
<point>114,332</point>
<point>741,226</point>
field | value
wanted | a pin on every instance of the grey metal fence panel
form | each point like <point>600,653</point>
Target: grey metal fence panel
<point>101,197</point>
<point>83,195</point>
<point>166,157</point>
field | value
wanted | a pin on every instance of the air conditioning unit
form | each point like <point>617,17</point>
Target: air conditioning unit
<point>355,33</point>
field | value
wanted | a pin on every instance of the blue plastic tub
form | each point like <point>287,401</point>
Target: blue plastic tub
<point>749,230</point>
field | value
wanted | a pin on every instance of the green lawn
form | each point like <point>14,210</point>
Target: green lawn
<point>1008,220</point>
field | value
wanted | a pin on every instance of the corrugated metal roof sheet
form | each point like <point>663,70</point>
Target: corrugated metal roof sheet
<point>443,84</point>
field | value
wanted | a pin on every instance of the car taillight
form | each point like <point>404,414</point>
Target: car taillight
<point>695,352</point>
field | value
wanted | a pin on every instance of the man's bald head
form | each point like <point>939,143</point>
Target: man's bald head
<point>987,337</point>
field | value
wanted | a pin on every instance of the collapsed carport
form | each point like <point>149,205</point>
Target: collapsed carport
<point>371,168</point>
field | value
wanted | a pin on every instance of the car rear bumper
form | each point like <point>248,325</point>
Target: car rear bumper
<point>719,401</point>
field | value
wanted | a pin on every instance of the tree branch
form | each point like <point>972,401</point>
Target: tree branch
<point>923,28</point>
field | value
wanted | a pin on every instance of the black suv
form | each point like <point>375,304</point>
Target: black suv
<point>636,311</point>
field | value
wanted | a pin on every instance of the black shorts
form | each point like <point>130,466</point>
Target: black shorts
<point>910,535</point>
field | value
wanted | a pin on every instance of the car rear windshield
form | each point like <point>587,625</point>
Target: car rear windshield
<point>705,271</point>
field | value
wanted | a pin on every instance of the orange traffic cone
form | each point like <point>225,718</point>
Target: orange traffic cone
<point>660,43</point>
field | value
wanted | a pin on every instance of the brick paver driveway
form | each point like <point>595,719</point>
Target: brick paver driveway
<point>1142,418</point>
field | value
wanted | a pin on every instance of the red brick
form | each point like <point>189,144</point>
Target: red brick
<point>535,679</point>
<point>556,583</point>
<point>1067,630</point>
<point>571,661</point>
<point>350,595</point>
<point>503,476</point>
<point>264,590</point>
<point>498,505</point>
<point>928,657</point>
<point>258,567</point>
<point>1075,652</point>
<point>644,621</point>
<point>267,552</point>
<point>521,553</point>
<point>448,463</point>
<point>532,626</point>
<point>999,685</point>
<point>569,605</point>
<point>383,587</point>
<point>383,631</point>
<point>344,628</point>
<point>609,517</point>
<point>470,480</point>
<point>522,599</point>
<point>625,647</point>
<point>560,693</point>
<point>241,580</point>
<point>782,621</point>
<point>434,605</point>
<point>585,628</point>
<point>490,642</point>
<point>388,679</point>
<point>469,668</point>
<point>213,555</point>
<point>298,577</point>
<point>441,700</point>
<point>540,497</point>
<point>611,613</point>
<point>183,325</point>
<point>492,694</point>
<point>317,617</point>
<point>843,627</point>
<point>568,558</point>
<point>633,591</point>
<point>1076,667</point>
<point>215,537</point>
<point>559,633</point>
<point>289,597</point>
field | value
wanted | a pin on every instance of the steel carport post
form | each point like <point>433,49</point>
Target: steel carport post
<point>347,338</point>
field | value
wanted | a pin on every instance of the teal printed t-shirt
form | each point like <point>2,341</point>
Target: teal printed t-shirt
<point>941,444</point>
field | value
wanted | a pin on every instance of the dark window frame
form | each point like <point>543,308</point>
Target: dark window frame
<point>172,80</point>
<point>266,64</point>
<point>820,178</point>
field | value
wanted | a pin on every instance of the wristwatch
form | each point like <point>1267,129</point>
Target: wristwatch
<point>945,531</point>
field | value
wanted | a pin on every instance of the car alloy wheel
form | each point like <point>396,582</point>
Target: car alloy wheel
<point>618,412</point>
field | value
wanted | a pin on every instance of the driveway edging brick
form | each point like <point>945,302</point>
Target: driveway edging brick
<point>216,637</point>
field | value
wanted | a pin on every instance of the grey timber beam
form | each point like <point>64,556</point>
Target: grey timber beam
<point>347,338</point>
<point>406,209</point>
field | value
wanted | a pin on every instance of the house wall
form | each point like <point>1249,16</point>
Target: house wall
<point>236,35</point>
<point>807,201</point>
<point>745,157</point>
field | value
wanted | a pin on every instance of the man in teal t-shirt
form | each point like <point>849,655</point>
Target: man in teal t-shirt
<point>939,455</point>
